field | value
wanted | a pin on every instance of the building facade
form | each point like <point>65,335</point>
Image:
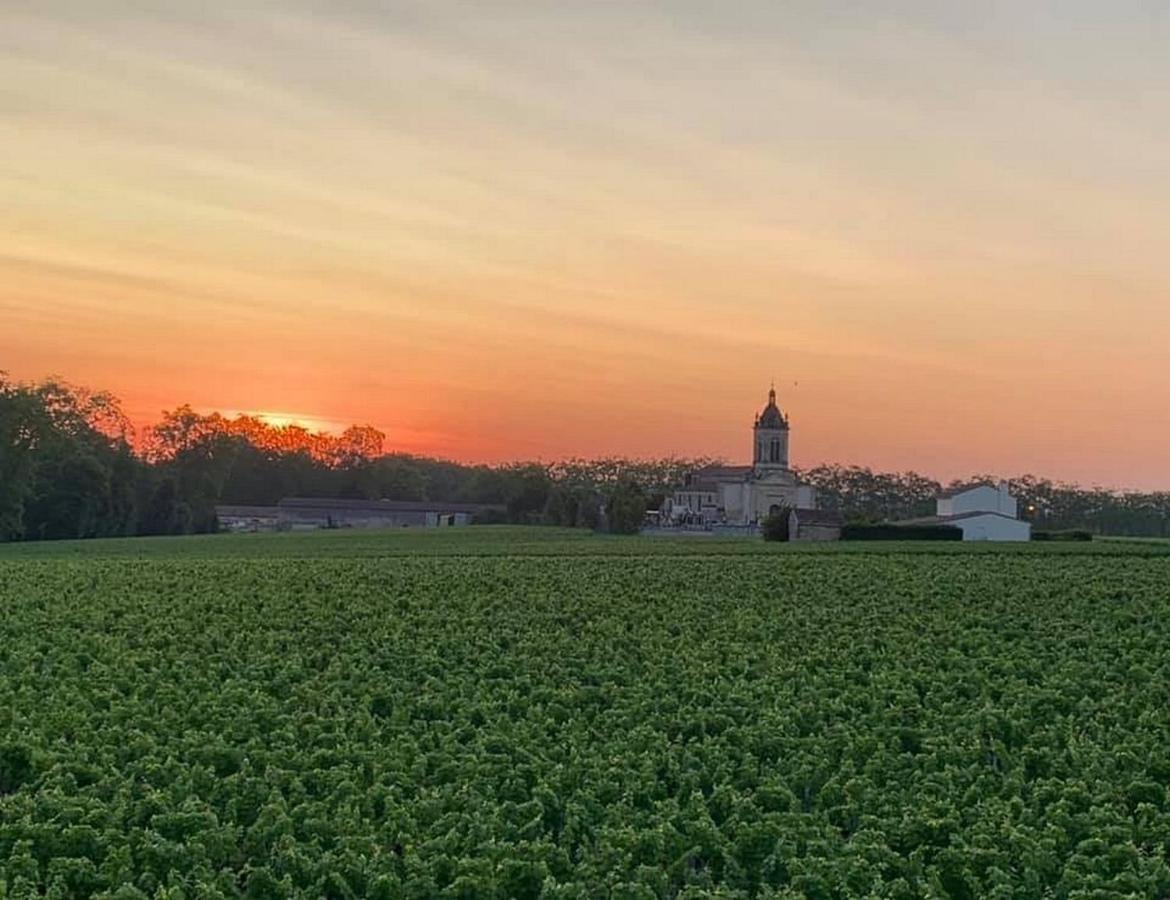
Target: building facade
<point>814,525</point>
<point>743,495</point>
<point>979,498</point>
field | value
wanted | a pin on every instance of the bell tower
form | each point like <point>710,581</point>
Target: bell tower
<point>771,438</point>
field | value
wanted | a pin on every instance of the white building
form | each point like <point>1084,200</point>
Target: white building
<point>743,495</point>
<point>980,498</point>
<point>983,512</point>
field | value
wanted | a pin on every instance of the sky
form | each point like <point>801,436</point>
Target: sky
<point>517,230</point>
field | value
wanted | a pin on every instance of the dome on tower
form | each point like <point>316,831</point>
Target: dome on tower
<point>771,417</point>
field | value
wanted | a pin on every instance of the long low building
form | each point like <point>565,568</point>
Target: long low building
<point>322,513</point>
<point>235,517</point>
<point>305,513</point>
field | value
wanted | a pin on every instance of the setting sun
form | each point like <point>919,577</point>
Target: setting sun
<point>288,419</point>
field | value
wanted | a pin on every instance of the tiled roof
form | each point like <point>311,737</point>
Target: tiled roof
<point>250,512</point>
<point>380,506</point>
<point>721,472</point>
<point>942,520</point>
<point>956,491</point>
<point>828,517</point>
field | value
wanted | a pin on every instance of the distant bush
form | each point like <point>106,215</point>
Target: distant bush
<point>16,767</point>
<point>1070,535</point>
<point>854,532</point>
<point>775,526</point>
<point>626,507</point>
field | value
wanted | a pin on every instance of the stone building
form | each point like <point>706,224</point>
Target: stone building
<point>305,513</point>
<point>743,495</point>
<point>235,517</point>
<point>815,525</point>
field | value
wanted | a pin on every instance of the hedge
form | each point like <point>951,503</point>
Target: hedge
<point>1070,535</point>
<point>901,533</point>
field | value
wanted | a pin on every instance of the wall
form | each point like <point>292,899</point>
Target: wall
<point>446,520</point>
<point>340,518</point>
<point>816,533</point>
<point>762,440</point>
<point>980,499</point>
<point>248,523</point>
<point>994,528</point>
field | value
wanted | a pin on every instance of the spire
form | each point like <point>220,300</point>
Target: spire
<point>771,417</point>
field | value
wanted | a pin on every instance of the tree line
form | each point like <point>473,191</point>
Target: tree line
<point>71,467</point>
<point>865,496</point>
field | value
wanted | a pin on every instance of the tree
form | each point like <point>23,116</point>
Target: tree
<point>70,493</point>
<point>16,767</point>
<point>200,472</point>
<point>626,507</point>
<point>561,507</point>
<point>399,478</point>
<point>162,514</point>
<point>357,444</point>
<point>21,419</point>
<point>775,525</point>
<point>67,469</point>
<point>526,487</point>
<point>180,429</point>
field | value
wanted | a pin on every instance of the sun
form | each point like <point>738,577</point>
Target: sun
<point>281,419</point>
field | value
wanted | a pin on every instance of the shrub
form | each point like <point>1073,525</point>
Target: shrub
<point>626,508</point>
<point>1070,535</point>
<point>491,516</point>
<point>854,532</point>
<point>16,767</point>
<point>774,527</point>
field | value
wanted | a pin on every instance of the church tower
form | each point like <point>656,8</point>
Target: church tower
<point>771,438</point>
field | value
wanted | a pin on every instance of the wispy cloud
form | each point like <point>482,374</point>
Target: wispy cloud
<point>273,204</point>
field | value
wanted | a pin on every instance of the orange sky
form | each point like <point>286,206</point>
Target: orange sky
<point>512,230</point>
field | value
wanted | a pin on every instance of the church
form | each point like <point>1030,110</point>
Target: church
<point>743,495</point>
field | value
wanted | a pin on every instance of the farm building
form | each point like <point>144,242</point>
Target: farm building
<point>814,525</point>
<point>308,512</point>
<point>303,513</point>
<point>983,512</point>
<point>247,518</point>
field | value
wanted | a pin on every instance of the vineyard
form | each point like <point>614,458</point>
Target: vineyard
<point>451,716</point>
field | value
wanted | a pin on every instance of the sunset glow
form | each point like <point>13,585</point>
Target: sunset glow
<point>287,419</point>
<point>514,230</point>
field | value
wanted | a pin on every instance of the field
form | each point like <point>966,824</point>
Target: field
<point>506,713</point>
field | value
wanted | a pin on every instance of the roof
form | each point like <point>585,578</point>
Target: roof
<point>828,517</point>
<point>720,473</point>
<point>962,489</point>
<point>771,417</point>
<point>247,512</point>
<point>381,506</point>
<point>943,520</point>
